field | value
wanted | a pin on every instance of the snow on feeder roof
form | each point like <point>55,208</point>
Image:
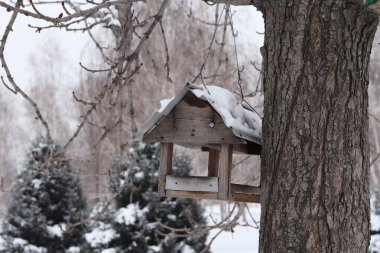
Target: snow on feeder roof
<point>211,118</point>
<point>242,121</point>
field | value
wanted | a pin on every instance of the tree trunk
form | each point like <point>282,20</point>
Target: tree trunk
<point>315,157</point>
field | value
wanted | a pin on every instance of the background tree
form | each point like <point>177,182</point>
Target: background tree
<point>135,224</point>
<point>45,203</point>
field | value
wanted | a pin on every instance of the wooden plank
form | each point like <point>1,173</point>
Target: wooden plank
<point>195,130</point>
<point>195,108</point>
<point>225,171</point>
<point>237,148</point>
<point>247,189</point>
<point>191,194</point>
<point>166,157</point>
<point>213,162</point>
<point>191,124</point>
<point>203,184</point>
<point>238,197</point>
<point>241,197</point>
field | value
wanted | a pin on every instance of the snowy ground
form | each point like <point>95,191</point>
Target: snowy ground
<point>375,239</point>
<point>244,239</point>
<point>2,244</point>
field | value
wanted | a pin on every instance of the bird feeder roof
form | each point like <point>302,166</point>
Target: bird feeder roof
<point>244,121</point>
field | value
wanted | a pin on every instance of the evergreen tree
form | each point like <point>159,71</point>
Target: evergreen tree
<point>134,223</point>
<point>47,199</point>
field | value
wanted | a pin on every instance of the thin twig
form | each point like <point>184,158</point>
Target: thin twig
<point>167,66</point>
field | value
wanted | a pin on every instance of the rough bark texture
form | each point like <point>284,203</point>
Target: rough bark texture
<point>315,155</point>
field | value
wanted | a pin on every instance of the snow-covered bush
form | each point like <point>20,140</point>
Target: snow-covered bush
<point>133,226</point>
<point>45,201</point>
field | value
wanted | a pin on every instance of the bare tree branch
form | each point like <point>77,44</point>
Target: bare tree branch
<point>157,19</point>
<point>78,14</point>
<point>167,66</point>
<point>257,3</point>
<point>16,88</point>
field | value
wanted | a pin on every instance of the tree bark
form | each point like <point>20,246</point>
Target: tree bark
<point>315,156</point>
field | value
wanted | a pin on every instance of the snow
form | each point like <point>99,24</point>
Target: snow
<point>171,217</point>
<point>139,175</point>
<point>100,235</point>
<point>127,215</point>
<point>164,103</point>
<point>131,151</point>
<point>2,243</point>
<point>243,120</point>
<point>36,183</point>
<point>28,248</point>
<point>244,239</point>
<point>55,231</point>
<point>375,221</point>
<point>375,225</point>
<point>154,248</point>
<point>244,123</point>
<point>73,249</point>
<point>97,209</point>
<point>187,249</point>
<point>34,249</point>
<point>375,243</point>
<point>19,242</point>
<point>110,250</point>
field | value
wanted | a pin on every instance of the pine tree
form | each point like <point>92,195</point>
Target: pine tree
<point>47,199</point>
<point>134,222</point>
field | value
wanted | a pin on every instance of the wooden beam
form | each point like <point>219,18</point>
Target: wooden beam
<point>166,157</point>
<point>238,197</point>
<point>250,148</point>
<point>245,193</point>
<point>213,162</point>
<point>242,197</point>
<point>247,189</point>
<point>225,171</point>
<point>194,123</point>
<point>191,194</point>
<point>203,184</point>
<point>192,130</point>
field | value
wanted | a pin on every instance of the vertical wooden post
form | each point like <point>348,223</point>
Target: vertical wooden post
<point>225,171</point>
<point>213,162</point>
<point>166,157</point>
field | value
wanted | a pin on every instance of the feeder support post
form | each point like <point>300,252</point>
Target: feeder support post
<point>166,158</point>
<point>213,162</point>
<point>225,171</point>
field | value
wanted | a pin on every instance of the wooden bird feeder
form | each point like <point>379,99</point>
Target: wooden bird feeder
<point>200,117</point>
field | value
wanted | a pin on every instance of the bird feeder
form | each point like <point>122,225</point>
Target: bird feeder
<point>209,118</point>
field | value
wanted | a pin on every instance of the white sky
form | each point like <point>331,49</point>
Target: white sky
<point>24,41</point>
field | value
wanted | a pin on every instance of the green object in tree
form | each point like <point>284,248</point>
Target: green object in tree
<point>369,2</point>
